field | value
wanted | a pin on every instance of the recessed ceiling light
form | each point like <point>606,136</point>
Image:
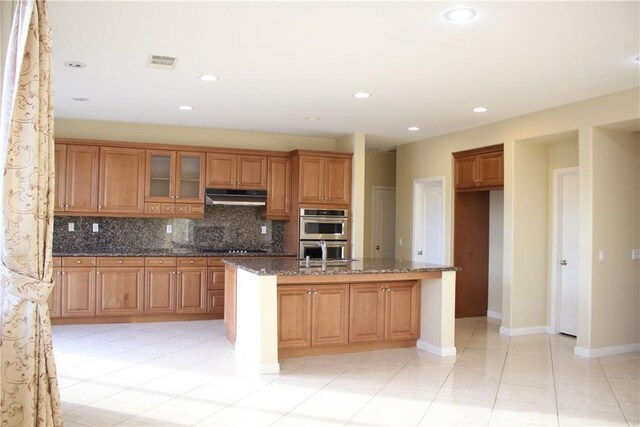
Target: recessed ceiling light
<point>208,78</point>
<point>80,99</point>
<point>413,128</point>
<point>185,107</point>
<point>480,110</point>
<point>312,119</point>
<point>462,14</point>
<point>361,95</point>
<point>75,64</point>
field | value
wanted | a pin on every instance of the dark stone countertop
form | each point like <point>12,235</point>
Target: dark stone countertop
<point>169,253</point>
<point>296,267</point>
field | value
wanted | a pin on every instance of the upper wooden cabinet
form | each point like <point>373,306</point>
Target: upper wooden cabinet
<point>174,176</point>
<point>226,170</point>
<point>278,188</point>
<point>76,169</point>
<point>323,179</point>
<point>480,169</point>
<point>121,180</point>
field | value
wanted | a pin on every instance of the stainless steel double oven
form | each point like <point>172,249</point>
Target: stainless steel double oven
<point>330,225</point>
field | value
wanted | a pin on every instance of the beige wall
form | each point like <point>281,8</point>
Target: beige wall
<point>163,134</point>
<point>380,170</point>
<point>6,12</point>
<point>496,251</point>
<point>432,157</point>
<point>616,202</point>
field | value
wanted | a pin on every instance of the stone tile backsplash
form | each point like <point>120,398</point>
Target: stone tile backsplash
<point>223,227</point>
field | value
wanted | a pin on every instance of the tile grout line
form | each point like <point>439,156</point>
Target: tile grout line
<point>464,349</point>
<point>504,363</point>
<point>555,388</point>
<point>613,392</point>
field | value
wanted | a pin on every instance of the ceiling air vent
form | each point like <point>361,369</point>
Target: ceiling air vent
<point>164,62</point>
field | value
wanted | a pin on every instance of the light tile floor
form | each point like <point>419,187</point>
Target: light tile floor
<point>186,373</point>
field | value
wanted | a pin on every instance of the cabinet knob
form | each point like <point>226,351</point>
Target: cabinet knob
<point>100,207</point>
<point>177,197</point>
<point>78,261</point>
<point>66,206</point>
<point>97,272</point>
<point>63,273</point>
<point>191,262</point>
<point>309,292</point>
<point>160,262</point>
<point>173,272</point>
<point>119,261</point>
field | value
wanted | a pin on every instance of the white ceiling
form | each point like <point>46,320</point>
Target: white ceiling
<point>281,62</point>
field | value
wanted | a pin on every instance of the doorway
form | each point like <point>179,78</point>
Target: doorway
<point>564,258</point>
<point>384,222</point>
<point>428,220</point>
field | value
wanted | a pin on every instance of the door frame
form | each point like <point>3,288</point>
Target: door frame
<point>556,242</point>
<point>418,216</point>
<point>373,216</point>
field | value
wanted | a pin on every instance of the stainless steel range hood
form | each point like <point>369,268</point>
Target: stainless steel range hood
<point>235,197</point>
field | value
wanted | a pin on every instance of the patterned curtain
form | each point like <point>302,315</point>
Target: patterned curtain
<point>30,395</point>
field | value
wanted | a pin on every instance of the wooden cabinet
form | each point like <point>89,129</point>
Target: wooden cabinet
<point>160,286</point>
<point>174,177</point>
<point>323,179</point>
<point>215,290</point>
<point>122,180</point>
<point>479,169</point>
<point>313,316</point>
<point>76,168</point>
<point>278,188</point>
<point>78,291</point>
<point>384,311</point>
<point>192,285</point>
<point>227,170</point>
<point>55,297</point>
<point>120,286</point>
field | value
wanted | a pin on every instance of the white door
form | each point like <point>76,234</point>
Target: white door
<point>568,253</point>
<point>428,221</point>
<point>384,222</point>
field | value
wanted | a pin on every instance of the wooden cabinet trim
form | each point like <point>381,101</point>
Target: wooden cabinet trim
<point>120,261</point>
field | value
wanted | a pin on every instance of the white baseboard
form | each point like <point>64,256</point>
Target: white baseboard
<point>494,315</point>
<point>269,368</point>
<point>514,332</point>
<point>606,351</point>
<point>440,351</point>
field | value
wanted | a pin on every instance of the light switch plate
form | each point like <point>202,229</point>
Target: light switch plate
<point>635,254</point>
<point>169,228</point>
<point>95,228</point>
<point>400,241</point>
<point>72,226</point>
<point>263,229</point>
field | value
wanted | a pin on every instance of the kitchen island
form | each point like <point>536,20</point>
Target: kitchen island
<point>278,308</point>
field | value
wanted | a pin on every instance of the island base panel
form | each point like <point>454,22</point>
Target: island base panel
<point>340,349</point>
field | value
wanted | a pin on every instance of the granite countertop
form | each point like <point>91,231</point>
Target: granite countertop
<point>170,253</point>
<point>296,267</point>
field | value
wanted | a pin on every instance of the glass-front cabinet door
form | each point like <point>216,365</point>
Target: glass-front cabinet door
<point>190,177</point>
<point>161,166</point>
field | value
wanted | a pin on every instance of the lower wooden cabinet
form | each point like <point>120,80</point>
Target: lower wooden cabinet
<point>313,316</point>
<point>55,297</point>
<point>160,290</point>
<point>384,312</point>
<point>78,291</point>
<point>192,290</point>
<point>341,314</point>
<point>120,291</point>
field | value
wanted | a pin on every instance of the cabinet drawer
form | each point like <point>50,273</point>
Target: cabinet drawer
<point>57,261</point>
<point>160,261</point>
<point>197,210</point>
<point>153,208</point>
<point>216,278</point>
<point>78,261</point>
<point>168,208</point>
<point>121,261</point>
<point>215,262</point>
<point>192,262</point>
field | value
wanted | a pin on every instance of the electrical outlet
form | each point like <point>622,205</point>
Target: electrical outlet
<point>169,228</point>
<point>72,226</point>
<point>635,254</point>
<point>400,241</point>
<point>601,255</point>
<point>263,229</point>
<point>95,228</point>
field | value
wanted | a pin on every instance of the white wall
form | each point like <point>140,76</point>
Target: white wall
<point>496,249</point>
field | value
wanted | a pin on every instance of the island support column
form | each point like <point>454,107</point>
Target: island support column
<point>257,320</point>
<point>437,323</point>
